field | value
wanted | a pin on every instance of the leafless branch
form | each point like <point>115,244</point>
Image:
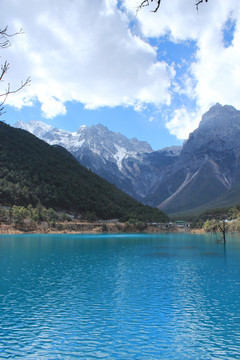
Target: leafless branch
<point>8,91</point>
<point>4,43</point>
<point>146,3</point>
<point>4,37</point>
<point>4,69</point>
<point>1,110</point>
<point>23,84</point>
<point>158,2</point>
<point>199,2</point>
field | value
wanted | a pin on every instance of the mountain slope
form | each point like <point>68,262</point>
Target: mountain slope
<point>201,173</point>
<point>207,167</point>
<point>32,171</point>
<point>130,164</point>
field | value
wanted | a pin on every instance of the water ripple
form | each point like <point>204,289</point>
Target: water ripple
<point>119,298</point>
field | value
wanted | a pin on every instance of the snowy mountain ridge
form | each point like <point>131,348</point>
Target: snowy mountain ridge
<point>203,171</point>
<point>111,146</point>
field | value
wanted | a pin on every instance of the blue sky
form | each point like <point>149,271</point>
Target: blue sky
<point>149,76</point>
<point>118,119</point>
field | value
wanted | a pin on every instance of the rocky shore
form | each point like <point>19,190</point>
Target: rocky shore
<point>90,228</point>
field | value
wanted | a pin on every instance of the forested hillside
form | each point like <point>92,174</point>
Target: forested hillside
<point>33,172</point>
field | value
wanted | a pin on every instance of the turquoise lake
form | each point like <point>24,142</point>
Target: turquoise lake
<point>167,296</point>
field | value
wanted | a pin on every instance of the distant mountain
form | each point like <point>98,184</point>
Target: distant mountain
<point>208,167</point>
<point>130,164</point>
<point>32,171</point>
<point>204,172</point>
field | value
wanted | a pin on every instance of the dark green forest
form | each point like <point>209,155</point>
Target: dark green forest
<point>33,172</point>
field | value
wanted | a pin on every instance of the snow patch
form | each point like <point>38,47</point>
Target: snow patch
<point>120,155</point>
<point>181,187</point>
<point>35,127</point>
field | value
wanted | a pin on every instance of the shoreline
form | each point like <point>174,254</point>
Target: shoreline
<point>95,228</point>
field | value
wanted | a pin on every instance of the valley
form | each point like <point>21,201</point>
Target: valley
<point>203,173</point>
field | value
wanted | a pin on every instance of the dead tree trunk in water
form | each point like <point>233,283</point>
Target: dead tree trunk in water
<point>223,231</point>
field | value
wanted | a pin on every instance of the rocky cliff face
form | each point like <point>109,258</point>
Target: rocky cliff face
<point>173,179</point>
<point>122,161</point>
<point>208,165</point>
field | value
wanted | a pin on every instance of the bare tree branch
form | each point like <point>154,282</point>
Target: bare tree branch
<point>158,2</point>
<point>146,3</point>
<point>4,69</point>
<point>4,37</point>
<point>199,2</point>
<point>8,91</point>
<point>4,43</point>
<point>23,84</point>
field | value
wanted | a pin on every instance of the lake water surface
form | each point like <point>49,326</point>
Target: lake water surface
<point>168,296</point>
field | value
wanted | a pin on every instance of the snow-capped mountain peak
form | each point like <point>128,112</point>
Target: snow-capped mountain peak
<point>97,139</point>
<point>206,170</point>
<point>38,128</point>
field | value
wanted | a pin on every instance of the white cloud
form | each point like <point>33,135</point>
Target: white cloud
<point>52,107</point>
<point>80,51</point>
<point>90,52</point>
<point>183,122</point>
<point>214,74</point>
<point>217,70</point>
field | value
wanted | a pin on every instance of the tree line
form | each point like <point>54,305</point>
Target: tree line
<point>33,172</point>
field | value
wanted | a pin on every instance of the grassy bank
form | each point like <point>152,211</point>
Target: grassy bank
<point>85,227</point>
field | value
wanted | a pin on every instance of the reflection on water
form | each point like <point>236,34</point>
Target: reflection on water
<point>173,296</point>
